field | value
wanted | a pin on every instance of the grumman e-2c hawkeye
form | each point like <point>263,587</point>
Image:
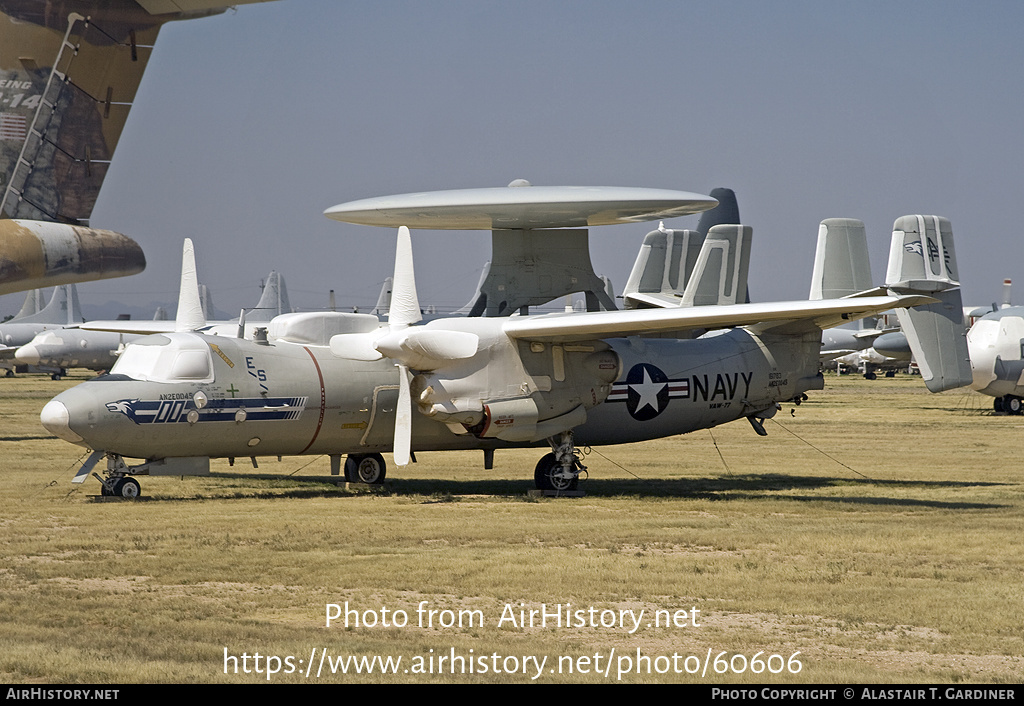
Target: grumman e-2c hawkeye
<point>338,383</point>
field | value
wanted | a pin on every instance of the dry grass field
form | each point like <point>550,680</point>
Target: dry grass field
<point>875,536</point>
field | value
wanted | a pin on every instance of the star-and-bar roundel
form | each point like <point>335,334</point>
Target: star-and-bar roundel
<point>647,391</point>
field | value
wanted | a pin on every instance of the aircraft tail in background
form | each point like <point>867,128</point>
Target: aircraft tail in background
<point>922,260</point>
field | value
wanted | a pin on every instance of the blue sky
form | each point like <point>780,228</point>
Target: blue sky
<point>249,124</point>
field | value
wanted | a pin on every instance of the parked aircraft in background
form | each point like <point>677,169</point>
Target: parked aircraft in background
<point>62,311</point>
<point>336,383</point>
<point>84,347</point>
<point>996,345</point>
<point>69,70</point>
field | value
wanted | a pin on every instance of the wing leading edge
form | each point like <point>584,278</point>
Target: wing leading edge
<point>820,314</point>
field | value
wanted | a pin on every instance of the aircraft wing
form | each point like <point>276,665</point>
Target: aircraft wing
<point>822,314</point>
<point>139,326</point>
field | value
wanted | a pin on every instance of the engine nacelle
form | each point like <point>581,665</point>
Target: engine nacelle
<point>549,392</point>
<point>36,254</point>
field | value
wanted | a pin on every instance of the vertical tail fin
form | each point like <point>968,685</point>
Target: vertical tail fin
<point>34,303</point>
<point>32,306</point>
<point>74,308</point>
<point>60,310</point>
<point>274,300</point>
<point>384,298</point>
<point>841,264</point>
<point>726,213</point>
<point>922,260</point>
<point>720,275</point>
<point>662,268</point>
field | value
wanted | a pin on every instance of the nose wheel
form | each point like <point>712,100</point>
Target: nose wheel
<point>118,484</point>
<point>121,488</point>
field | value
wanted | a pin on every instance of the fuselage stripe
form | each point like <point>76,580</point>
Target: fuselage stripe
<point>323,400</point>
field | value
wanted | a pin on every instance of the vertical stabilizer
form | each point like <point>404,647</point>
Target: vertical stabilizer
<point>32,306</point>
<point>55,312</point>
<point>384,298</point>
<point>274,300</point>
<point>74,309</point>
<point>841,263</point>
<point>921,254</point>
<point>206,302</point>
<point>726,213</point>
<point>720,275</point>
<point>922,260</point>
<point>609,291</point>
<point>662,268</point>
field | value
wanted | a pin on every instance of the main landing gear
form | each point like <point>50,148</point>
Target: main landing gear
<point>365,468</point>
<point>1011,404</point>
<point>560,470</point>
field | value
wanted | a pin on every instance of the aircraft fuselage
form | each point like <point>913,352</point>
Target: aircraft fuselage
<point>189,394</point>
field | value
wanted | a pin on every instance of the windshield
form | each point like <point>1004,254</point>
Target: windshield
<point>184,358</point>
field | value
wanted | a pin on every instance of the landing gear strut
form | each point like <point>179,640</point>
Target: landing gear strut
<point>559,470</point>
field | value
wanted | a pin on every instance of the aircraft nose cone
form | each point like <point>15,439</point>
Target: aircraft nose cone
<point>57,420</point>
<point>27,354</point>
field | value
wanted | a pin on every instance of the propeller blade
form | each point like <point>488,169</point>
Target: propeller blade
<point>405,305</point>
<point>190,315</point>
<point>403,419</point>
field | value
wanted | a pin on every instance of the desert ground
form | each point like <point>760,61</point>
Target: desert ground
<point>874,536</point>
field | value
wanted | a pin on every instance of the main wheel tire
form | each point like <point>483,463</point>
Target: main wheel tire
<point>365,469</point>
<point>997,404</point>
<point>127,488</point>
<point>1013,405</point>
<point>545,479</point>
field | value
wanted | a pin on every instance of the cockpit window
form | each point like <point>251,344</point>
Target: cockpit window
<point>179,359</point>
<point>191,365</point>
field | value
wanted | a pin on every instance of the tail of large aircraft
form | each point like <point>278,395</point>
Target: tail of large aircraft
<point>70,71</point>
<point>62,309</point>
<point>922,261</point>
<point>33,305</point>
<point>274,300</point>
